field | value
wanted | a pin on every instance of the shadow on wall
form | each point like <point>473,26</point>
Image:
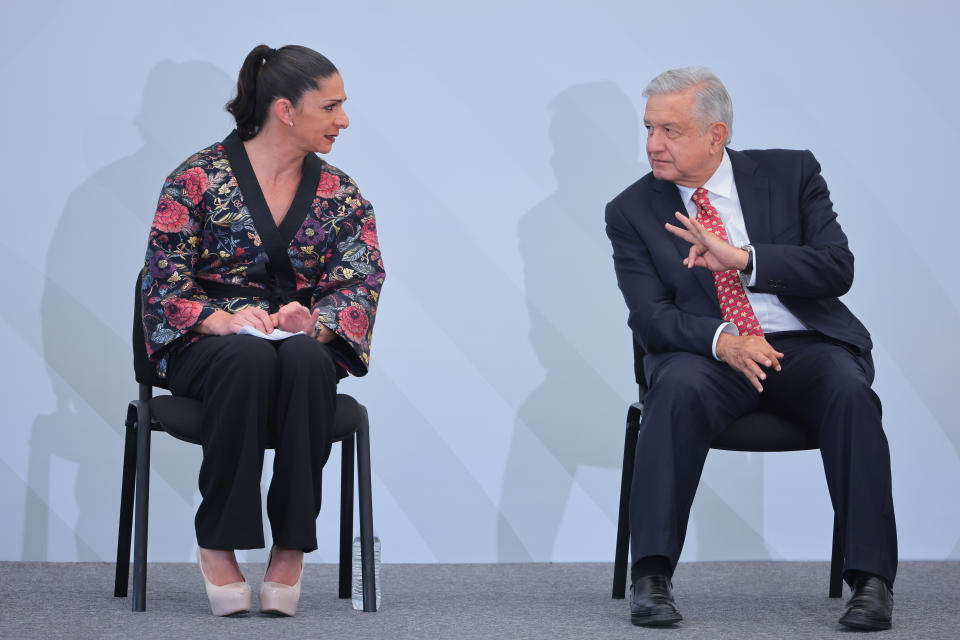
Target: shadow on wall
<point>94,255</point>
<point>577,323</point>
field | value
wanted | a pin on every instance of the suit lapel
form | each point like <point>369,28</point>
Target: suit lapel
<point>666,201</point>
<point>753,189</point>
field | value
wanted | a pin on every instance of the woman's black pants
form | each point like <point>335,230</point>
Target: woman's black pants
<point>256,394</point>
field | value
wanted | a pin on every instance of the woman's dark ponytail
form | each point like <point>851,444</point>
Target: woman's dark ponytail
<point>268,74</point>
<point>244,106</point>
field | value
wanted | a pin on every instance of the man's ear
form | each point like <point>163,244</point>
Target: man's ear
<point>718,135</point>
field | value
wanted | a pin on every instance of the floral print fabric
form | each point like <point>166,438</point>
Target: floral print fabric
<point>203,232</point>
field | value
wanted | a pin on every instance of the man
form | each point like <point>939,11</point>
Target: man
<point>731,264</point>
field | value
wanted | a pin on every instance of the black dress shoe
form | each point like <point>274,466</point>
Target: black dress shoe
<point>651,602</point>
<point>870,606</point>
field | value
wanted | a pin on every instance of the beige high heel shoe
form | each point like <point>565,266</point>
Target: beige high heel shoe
<point>280,598</point>
<point>227,599</point>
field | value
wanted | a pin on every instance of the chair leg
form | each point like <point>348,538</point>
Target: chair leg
<point>623,522</point>
<point>836,561</point>
<point>366,518</point>
<point>141,507</point>
<point>126,513</point>
<point>346,517</point>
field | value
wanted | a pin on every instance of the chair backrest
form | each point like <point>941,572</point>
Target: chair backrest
<point>143,369</point>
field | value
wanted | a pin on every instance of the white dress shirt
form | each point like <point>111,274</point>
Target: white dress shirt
<point>722,192</point>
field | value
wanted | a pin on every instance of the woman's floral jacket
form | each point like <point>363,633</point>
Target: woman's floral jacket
<point>204,232</point>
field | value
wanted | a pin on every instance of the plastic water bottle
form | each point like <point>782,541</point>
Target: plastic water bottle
<point>358,573</point>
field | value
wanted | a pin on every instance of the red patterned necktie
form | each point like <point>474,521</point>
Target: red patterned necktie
<point>734,304</point>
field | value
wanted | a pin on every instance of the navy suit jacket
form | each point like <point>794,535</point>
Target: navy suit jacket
<point>802,254</point>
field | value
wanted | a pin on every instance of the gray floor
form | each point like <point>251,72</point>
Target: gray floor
<point>718,599</point>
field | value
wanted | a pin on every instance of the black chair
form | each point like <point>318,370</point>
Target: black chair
<point>181,418</point>
<point>755,432</point>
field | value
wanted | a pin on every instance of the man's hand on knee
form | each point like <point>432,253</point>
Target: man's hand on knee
<point>747,354</point>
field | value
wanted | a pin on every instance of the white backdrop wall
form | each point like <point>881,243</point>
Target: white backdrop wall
<point>489,138</point>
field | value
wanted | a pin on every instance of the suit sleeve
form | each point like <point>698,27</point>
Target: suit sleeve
<point>821,265</point>
<point>658,324</point>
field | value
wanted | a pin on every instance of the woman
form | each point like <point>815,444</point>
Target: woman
<point>257,231</point>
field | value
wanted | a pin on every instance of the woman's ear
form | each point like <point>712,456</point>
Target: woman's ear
<point>283,110</point>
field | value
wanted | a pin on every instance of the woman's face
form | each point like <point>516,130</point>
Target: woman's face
<point>319,115</point>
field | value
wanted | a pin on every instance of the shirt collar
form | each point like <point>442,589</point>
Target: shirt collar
<point>719,184</point>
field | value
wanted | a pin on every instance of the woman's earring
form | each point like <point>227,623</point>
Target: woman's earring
<point>290,123</point>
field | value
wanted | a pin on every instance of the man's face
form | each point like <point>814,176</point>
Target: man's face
<point>676,149</point>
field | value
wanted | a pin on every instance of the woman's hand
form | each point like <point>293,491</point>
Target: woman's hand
<point>223,323</point>
<point>295,317</point>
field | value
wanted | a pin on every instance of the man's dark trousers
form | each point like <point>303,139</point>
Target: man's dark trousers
<point>824,385</point>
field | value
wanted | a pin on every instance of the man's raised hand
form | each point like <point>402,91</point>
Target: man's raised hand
<point>707,249</point>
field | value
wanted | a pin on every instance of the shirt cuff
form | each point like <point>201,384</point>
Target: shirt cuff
<point>752,280</point>
<point>726,327</point>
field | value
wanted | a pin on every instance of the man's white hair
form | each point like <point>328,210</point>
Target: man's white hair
<point>711,101</point>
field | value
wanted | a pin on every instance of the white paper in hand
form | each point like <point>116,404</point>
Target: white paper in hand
<point>276,334</point>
